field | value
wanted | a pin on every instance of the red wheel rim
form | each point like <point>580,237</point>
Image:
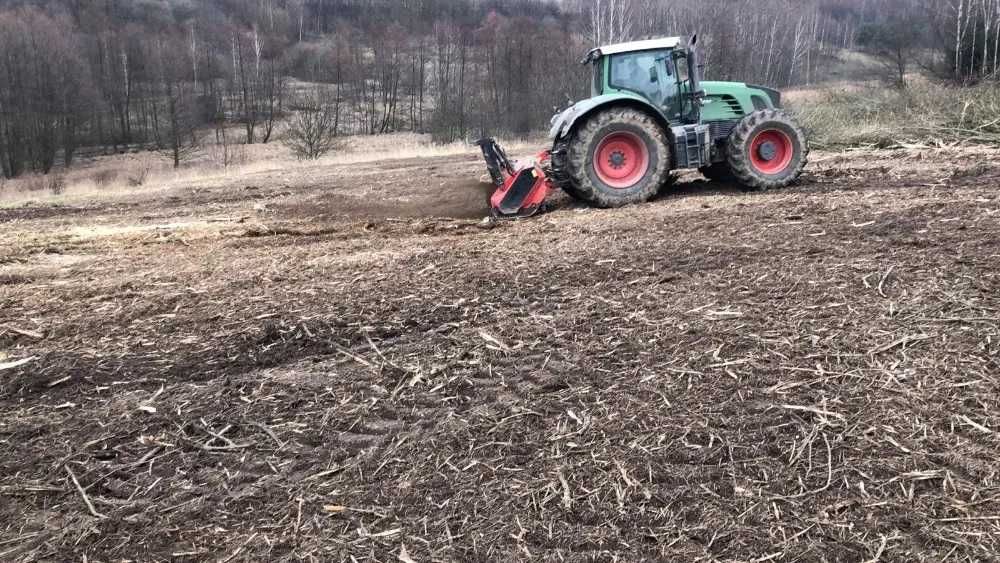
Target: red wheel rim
<point>621,159</point>
<point>771,151</point>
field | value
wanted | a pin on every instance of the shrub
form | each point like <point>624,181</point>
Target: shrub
<point>105,177</point>
<point>52,183</point>
<point>56,184</point>
<point>138,175</point>
<point>227,152</point>
<point>312,130</point>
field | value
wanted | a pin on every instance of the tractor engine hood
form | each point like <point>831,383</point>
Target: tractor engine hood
<point>717,88</point>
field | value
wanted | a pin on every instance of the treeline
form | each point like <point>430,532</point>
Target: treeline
<point>958,40</point>
<point>120,74</point>
<point>969,32</point>
<point>775,42</point>
<point>160,74</point>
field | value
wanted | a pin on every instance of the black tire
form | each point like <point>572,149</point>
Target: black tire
<point>585,183</point>
<point>558,167</point>
<point>751,170</point>
<point>718,172</point>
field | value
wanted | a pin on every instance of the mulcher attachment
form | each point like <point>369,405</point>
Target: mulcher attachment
<point>520,192</point>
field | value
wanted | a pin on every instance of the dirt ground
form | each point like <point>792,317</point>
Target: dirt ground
<point>343,363</point>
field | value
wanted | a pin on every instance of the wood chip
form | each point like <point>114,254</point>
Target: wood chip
<point>813,410</point>
<point>898,342</point>
<point>403,556</point>
<point>25,332</point>
<point>16,363</point>
<point>493,340</point>
<point>975,424</point>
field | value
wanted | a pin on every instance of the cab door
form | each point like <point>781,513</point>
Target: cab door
<point>683,103</point>
<point>670,102</point>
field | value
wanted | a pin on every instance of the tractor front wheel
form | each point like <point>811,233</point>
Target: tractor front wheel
<point>767,150</point>
<point>617,157</point>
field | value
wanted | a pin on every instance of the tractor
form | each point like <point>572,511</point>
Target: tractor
<point>649,115</point>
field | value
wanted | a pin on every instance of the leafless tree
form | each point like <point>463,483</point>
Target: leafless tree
<point>180,139</point>
<point>46,94</point>
<point>227,151</point>
<point>609,21</point>
<point>260,82</point>
<point>312,130</point>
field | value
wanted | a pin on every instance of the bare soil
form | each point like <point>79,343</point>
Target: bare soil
<point>342,362</point>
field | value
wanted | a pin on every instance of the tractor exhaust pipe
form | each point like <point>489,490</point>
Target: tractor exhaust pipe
<point>694,75</point>
<point>694,68</point>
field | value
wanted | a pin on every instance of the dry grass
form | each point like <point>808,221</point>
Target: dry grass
<point>121,175</point>
<point>924,113</point>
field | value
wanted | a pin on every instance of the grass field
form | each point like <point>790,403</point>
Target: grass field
<point>339,361</point>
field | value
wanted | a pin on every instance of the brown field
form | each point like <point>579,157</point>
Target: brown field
<point>340,361</point>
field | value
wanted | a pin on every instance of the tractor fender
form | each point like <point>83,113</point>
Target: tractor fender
<point>563,122</point>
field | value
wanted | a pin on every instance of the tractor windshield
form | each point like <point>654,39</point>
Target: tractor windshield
<point>643,72</point>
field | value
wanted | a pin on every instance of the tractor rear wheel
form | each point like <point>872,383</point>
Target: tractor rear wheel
<point>767,150</point>
<point>618,156</point>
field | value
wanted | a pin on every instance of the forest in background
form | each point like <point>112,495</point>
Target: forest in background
<point>111,75</point>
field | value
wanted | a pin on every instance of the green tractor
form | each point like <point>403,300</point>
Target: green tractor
<point>649,115</point>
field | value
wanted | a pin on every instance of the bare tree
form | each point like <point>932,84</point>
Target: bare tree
<point>609,21</point>
<point>46,95</point>
<point>259,80</point>
<point>227,152</point>
<point>179,100</point>
<point>894,39</point>
<point>959,32</point>
<point>312,129</point>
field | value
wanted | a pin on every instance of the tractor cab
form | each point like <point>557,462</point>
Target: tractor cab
<point>658,70</point>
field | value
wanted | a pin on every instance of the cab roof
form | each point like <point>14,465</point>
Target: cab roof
<point>645,45</point>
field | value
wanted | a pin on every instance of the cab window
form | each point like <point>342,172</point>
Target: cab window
<point>648,73</point>
<point>683,80</point>
<point>682,69</point>
<point>639,72</point>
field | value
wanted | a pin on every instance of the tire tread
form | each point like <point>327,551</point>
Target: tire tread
<point>578,158</point>
<point>740,165</point>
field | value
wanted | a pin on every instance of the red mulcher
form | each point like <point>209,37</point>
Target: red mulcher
<point>520,193</point>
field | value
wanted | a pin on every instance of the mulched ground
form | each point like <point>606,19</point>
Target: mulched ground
<point>810,374</point>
